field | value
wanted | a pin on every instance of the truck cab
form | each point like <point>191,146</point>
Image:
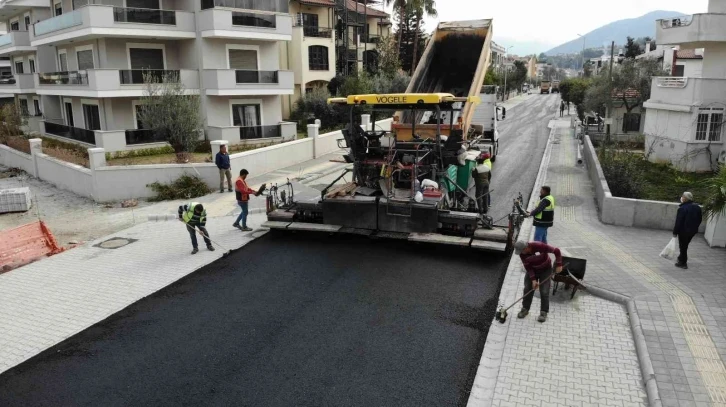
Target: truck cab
<point>544,87</point>
<point>484,121</point>
<point>555,86</point>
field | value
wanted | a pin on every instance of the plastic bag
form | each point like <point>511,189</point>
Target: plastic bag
<point>669,252</point>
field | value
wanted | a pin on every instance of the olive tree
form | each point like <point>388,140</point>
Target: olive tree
<point>11,122</point>
<point>171,111</point>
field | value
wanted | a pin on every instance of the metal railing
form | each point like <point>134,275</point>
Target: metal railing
<point>370,39</point>
<point>671,82</point>
<point>319,32</point>
<point>6,39</point>
<point>58,23</point>
<point>313,66</point>
<point>73,133</point>
<point>276,6</point>
<point>63,78</point>
<point>143,137</point>
<point>676,22</point>
<point>254,132</point>
<point>243,76</point>
<point>136,76</point>
<point>144,16</point>
<point>254,20</point>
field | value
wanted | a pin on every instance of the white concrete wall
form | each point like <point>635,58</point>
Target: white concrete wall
<point>692,68</point>
<point>123,182</point>
<point>215,56</point>
<point>67,176</point>
<point>714,57</point>
<point>16,159</point>
<point>115,55</point>
<point>219,113</point>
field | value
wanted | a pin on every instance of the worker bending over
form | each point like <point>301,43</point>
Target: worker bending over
<point>482,175</point>
<point>538,268</point>
<point>195,216</point>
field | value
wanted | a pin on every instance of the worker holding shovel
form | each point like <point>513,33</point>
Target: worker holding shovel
<point>194,215</point>
<point>538,266</point>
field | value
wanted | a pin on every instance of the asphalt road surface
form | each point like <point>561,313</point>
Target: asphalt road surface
<point>298,319</point>
<point>291,319</point>
<point>522,141</point>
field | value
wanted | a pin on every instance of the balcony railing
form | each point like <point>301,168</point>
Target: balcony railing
<point>58,23</point>
<point>143,137</point>
<point>136,76</point>
<point>7,80</point>
<point>254,132</point>
<point>63,78</point>
<point>671,82</point>
<point>73,133</point>
<point>6,39</point>
<point>144,16</point>
<point>676,22</point>
<point>370,39</point>
<point>243,76</point>
<point>254,20</point>
<point>314,66</point>
<point>277,6</point>
<point>319,32</point>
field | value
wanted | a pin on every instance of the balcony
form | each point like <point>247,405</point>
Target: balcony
<point>15,41</point>
<point>230,82</point>
<point>273,6</point>
<point>19,83</point>
<point>224,23</point>
<point>99,83</point>
<point>286,131</point>
<point>317,32</point>
<point>140,136</point>
<point>680,94</point>
<point>692,31</point>
<point>71,133</point>
<point>257,132</point>
<point>102,20</point>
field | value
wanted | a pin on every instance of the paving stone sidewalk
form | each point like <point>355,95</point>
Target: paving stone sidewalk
<point>584,354</point>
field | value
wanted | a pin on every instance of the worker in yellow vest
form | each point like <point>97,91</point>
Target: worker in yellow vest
<point>544,214</point>
<point>195,216</point>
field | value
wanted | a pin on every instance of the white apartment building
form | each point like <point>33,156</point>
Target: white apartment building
<point>685,113</point>
<point>81,64</point>
<point>497,56</point>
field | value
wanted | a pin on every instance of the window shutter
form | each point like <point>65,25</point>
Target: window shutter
<point>85,59</point>
<point>243,59</point>
<point>147,58</point>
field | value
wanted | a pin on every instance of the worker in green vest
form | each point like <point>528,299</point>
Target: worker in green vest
<point>544,214</point>
<point>195,216</point>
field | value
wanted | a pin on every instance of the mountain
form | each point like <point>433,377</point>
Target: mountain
<point>616,31</point>
<point>522,47</point>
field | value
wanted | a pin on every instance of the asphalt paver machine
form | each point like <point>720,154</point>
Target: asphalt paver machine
<point>414,184</point>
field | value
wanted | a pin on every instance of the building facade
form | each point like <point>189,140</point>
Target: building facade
<point>81,65</point>
<point>684,125</point>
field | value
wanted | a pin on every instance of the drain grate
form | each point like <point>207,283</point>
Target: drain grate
<point>115,243</point>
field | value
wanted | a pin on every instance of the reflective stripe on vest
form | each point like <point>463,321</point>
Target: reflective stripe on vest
<point>547,216</point>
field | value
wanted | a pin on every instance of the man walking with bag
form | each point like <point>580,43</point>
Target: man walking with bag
<point>688,220</point>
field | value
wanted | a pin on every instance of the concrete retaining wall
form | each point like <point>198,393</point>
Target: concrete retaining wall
<point>625,211</point>
<point>63,175</point>
<point>16,159</point>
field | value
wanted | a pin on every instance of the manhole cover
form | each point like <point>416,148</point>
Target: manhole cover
<point>115,243</point>
<point>569,200</point>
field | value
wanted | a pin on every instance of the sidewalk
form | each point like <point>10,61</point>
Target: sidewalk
<point>585,352</point>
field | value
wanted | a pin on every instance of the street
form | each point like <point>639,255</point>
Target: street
<point>298,319</point>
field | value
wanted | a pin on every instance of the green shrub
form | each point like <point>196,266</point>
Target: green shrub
<point>622,172</point>
<point>142,152</point>
<point>62,145</point>
<point>184,187</point>
<point>315,106</point>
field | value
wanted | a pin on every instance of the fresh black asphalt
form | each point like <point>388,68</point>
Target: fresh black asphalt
<point>300,319</point>
<point>290,319</point>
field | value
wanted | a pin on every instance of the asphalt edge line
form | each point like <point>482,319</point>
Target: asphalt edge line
<point>487,374</point>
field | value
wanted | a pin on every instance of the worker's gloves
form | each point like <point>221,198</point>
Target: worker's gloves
<point>558,269</point>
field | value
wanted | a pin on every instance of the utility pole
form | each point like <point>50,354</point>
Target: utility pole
<point>610,90</point>
<point>504,93</point>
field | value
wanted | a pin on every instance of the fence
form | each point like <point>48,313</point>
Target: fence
<point>73,133</point>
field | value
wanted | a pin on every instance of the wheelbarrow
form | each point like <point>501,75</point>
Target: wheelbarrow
<point>574,267</point>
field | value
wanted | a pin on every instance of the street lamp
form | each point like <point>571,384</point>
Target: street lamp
<point>506,52</point>
<point>584,38</point>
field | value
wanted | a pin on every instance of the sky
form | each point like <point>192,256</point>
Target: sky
<point>535,26</point>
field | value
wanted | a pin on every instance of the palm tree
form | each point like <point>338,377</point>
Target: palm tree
<point>421,8</point>
<point>400,6</point>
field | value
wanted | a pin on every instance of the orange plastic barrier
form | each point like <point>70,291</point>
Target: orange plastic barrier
<point>25,244</point>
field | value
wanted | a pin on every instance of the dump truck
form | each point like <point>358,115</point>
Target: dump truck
<point>415,181</point>
<point>544,87</point>
<point>555,86</point>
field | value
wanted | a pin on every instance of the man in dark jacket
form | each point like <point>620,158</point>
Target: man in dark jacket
<point>536,260</point>
<point>222,161</point>
<point>688,220</point>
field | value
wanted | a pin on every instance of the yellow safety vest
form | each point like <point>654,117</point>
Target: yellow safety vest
<point>546,218</point>
<point>189,214</point>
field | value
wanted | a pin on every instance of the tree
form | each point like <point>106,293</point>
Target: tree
<point>632,48</point>
<point>542,57</point>
<point>631,82</point>
<point>420,8</point>
<point>170,111</point>
<point>388,62</point>
<point>11,122</point>
<point>573,90</point>
<point>408,37</point>
<point>492,77</point>
<point>399,5</point>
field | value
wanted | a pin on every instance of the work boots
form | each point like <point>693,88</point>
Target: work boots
<point>195,251</point>
<point>522,313</point>
<point>542,317</point>
<point>210,248</point>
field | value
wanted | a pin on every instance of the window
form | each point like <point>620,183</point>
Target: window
<point>318,58</point>
<point>19,67</point>
<point>36,106</point>
<point>242,59</point>
<point>146,58</point>
<point>31,62</point>
<point>245,115</point>
<point>91,117</point>
<point>27,22</point>
<point>15,25</point>
<point>62,61</point>
<point>679,70</point>
<point>709,124</point>
<point>69,114</point>
<point>631,122</point>
<point>85,59</point>
<point>24,107</point>
<point>58,8</point>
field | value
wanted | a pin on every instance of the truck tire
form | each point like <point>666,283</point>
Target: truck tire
<point>496,151</point>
